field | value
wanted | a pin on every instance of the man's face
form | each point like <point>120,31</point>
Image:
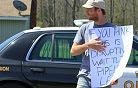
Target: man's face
<point>92,14</point>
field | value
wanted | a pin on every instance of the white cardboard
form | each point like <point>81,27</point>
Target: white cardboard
<point>109,64</point>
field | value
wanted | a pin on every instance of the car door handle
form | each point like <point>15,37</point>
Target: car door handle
<point>37,69</point>
<point>136,72</point>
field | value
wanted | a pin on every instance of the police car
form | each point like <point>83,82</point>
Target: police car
<point>40,58</point>
<point>130,76</point>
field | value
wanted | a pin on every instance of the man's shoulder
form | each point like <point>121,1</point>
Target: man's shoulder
<point>87,25</point>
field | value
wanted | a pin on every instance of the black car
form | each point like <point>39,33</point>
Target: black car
<point>40,58</point>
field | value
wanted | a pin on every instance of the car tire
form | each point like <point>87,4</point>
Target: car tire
<point>12,85</point>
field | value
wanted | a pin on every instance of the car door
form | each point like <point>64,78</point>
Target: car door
<point>130,76</point>
<point>49,63</point>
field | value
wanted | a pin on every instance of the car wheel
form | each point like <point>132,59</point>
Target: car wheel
<point>12,85</point>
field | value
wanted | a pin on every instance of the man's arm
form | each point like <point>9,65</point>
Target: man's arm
<point>78,49</point>
<point>95,44</point>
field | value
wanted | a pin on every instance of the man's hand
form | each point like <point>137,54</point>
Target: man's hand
<point>96,44</point>
<point>114,82</point>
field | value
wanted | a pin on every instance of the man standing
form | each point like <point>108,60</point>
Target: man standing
<point>95,10</point>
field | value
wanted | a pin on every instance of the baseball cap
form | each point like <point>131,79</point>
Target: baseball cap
<point>94,3</point>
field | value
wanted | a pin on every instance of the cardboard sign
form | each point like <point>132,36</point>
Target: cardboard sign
<point>109,64</point>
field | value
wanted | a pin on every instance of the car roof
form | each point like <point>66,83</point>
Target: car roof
<point>52,29</point>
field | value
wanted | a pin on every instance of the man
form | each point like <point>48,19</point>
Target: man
<point>95,10</point>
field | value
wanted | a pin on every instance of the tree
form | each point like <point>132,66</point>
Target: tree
<point>134,13</point>
<point>111,10</point>
<point>33,14</point>
<point>64,12</point>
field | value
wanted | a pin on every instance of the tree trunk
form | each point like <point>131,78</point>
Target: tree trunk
<point>73,12</point>
<point>54,18</point>
<point>111,11</point>
<point>66,13</point>
<point>134,14</point>
<point>50,8</point>
<point>33,14</point>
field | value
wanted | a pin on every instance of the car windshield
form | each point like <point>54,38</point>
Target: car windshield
<point>8,41</point>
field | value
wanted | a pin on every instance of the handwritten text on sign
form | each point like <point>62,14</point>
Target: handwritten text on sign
<point>109,64</point>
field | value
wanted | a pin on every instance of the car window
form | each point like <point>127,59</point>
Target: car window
<point>18,48</point>
<point>55,47</point>
<point>8,41</point>
<point>43,49</point>
<point>133,59</point>
<point>62,46</point>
